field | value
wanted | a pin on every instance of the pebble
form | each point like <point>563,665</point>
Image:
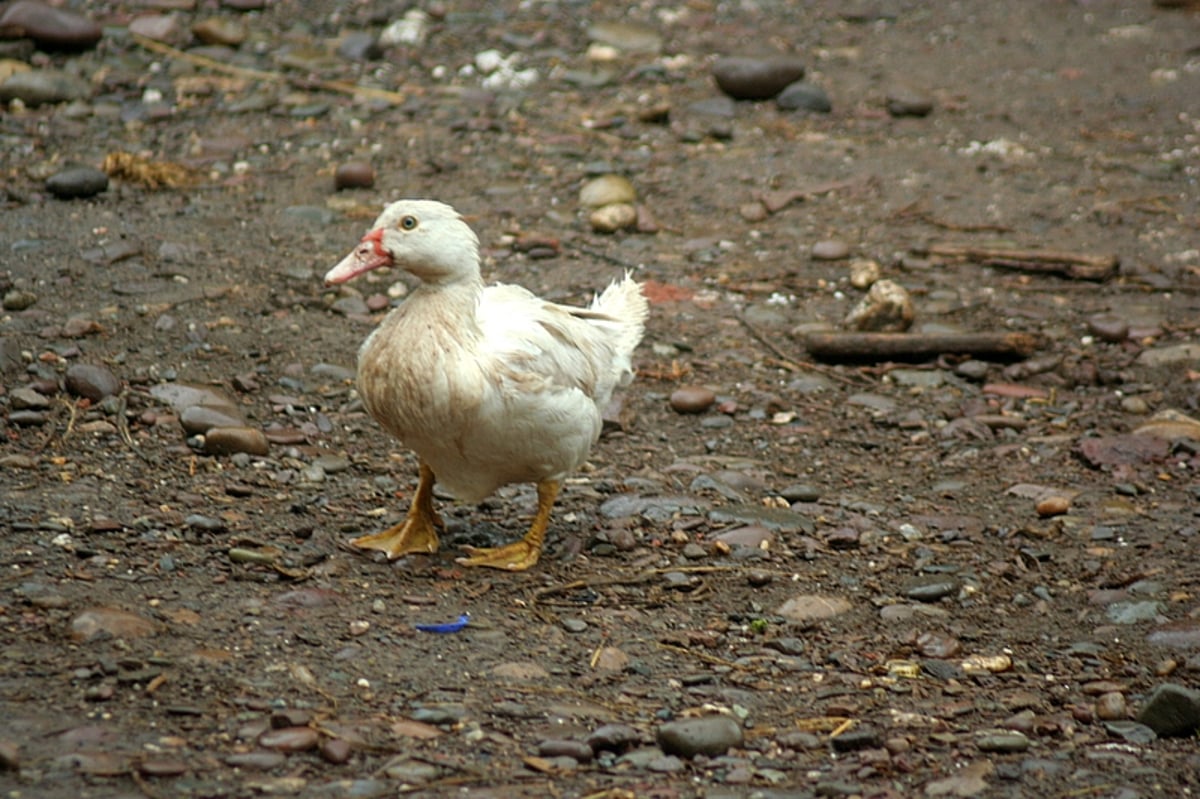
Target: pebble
<point>629,37</point>
<point>1172,710</point>
<point>864,272</point>
<point>886,308</point>
<point>804,96</point>
<point>111,621</point>
<point>613,217</point>
<point>855,739</point>
<point>1111,706</point>
<point>92,382</point>
<point>931,590</point>
<point>692,399</point>
<point>354,175</point>
<point>19,300</point>
<point>50,28</point>
<point>77,182</point>
<point>558,747</point>
<point>159,27</point>
<point>202,418</point>
<point>904,103</point>
<point>708,735</point>
<point>1002,741</point>
<point>290,739</point>
<point>161,766</point>
<point>26,398</point>
<point>1053,506</point>
<point>228,440</point>
<point>10,755</point>
<point>613,738</point>
<point>43,87</point>
<point>260,760</point>
<point>336,750</point>
<point>801,492</point>
<point>1108,327</point>
<point>830,250</point>
<point>221,31</point>
<point>807,608</point>
<point>750,78</point>
<point>607,190</point>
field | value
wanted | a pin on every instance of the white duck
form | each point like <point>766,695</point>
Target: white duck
<point>488,386</point>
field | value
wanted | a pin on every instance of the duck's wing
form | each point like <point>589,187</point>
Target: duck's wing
<point>535,345</point>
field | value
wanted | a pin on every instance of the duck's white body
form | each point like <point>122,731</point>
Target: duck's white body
<point>488,386</point>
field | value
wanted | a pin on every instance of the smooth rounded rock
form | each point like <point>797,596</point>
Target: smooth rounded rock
<point>709,735</point>
<point>92,382</point>
<point>1108,327</point>
<point>290,739</point>
<point>230,440</point>
<point>76,183</point>
<point>692,399</point>
<point>607,190</point>
<point>49,27</point>
<point>904,103</point>
<point>804,96</point>
<point>558,747</point>
<point>217,30</point>
<point>354,175</point>
<point>830,250</point>
<point>202,418</point>
<point>614,217</point>
<point>750,78</point>
<point>43,87</point>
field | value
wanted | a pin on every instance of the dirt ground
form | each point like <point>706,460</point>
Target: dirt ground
<point>930,576</point>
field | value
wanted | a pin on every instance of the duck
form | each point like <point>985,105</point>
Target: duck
<point>488,385</point>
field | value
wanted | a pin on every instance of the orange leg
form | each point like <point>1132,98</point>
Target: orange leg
<point>519,555</point>
<point>418,531</point>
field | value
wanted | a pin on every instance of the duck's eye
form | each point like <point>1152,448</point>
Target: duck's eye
<point>408,222</point>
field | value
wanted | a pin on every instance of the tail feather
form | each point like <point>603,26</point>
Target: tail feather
<point>624,302</point>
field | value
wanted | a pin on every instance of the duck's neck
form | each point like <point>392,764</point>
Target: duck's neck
<point>455,299</point>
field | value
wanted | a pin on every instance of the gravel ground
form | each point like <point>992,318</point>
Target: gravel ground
<point>797,564</point>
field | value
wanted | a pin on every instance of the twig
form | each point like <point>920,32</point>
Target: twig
<point>785,361</point>
<point>1074,265</point>
<point>888,346</point>
<point>716,661</point>
<point>344,87</point>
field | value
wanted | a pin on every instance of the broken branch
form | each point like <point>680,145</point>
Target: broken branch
<point>918,346</point>
<point>1079,266</point>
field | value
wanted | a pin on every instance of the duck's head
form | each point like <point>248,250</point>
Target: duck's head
<point>424,237</point>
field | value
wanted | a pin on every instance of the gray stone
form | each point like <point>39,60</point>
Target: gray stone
<point>803,96</point>
<point>42,87</point>
<point>708,735</point>
<point>1172,711</point>
<point>90,381</point>
<point>77,182</point>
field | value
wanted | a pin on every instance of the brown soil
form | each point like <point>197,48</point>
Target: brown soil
<point>257,613</point>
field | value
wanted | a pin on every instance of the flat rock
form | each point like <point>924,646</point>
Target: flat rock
<point>90,623</point>
<point>812,607</point>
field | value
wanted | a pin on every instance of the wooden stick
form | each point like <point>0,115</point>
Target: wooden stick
<point>1074,265</point>
<point>916,346</point>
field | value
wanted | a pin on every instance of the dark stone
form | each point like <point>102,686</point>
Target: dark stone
<point>748,78</point>
<point>50,28</point>
<point>77,182</point>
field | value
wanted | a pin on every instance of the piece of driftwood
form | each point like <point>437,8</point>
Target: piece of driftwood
<point>916,346</point>
<point>1078,266</point>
